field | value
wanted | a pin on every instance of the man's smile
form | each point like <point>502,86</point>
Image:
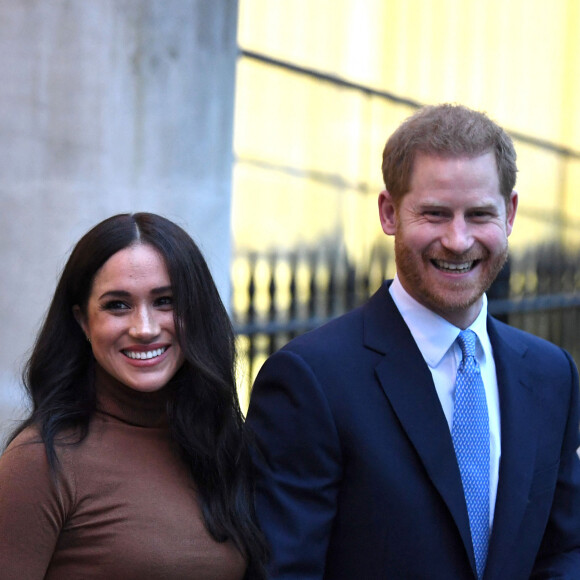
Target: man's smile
<point>456,268</point>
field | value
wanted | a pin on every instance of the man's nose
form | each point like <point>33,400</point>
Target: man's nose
<point>457,237</point>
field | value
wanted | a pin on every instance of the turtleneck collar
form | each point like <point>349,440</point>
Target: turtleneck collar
<point>127,405</point>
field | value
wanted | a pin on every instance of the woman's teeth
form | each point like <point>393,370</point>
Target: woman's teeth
<point>144,355</point>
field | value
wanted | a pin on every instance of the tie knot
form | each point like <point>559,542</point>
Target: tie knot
<point>466,341</point>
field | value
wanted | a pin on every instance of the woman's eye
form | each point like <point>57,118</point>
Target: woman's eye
<point>164,301</point>
<point>115,305</point>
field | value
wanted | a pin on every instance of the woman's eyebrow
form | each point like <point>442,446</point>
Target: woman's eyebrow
<point>126,294</point>
<point>162,290</point>
<point>115,293</point>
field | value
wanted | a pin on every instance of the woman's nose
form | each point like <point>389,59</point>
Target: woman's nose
<point>144,324</point>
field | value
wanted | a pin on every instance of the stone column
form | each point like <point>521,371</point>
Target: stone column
<point>106,106</point>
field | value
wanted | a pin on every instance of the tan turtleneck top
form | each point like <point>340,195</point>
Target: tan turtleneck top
<point>124,507</point>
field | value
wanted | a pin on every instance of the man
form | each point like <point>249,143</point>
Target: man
<point>417,437</point>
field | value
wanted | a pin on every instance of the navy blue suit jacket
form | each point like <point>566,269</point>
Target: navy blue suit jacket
<point>357,476</point>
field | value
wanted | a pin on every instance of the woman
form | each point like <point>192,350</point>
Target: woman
<point>133,462</point>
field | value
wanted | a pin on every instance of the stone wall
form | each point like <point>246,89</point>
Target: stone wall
<point>107,106</point>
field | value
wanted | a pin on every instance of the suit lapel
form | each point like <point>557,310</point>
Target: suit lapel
<point>518,444</point>
<point>408,384</point>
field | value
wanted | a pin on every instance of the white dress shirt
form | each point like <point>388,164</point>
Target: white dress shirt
<point>436,338</point>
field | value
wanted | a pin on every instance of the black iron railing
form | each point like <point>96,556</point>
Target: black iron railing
<point>538,291</point>
<point>286,294</point>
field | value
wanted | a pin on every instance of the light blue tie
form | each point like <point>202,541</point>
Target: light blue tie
<point>470,435</point>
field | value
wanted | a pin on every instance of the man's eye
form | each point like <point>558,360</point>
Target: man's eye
<point>481,214</point>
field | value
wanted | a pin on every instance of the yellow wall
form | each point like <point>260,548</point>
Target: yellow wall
<point>516,59</point>
<point>309,153</point>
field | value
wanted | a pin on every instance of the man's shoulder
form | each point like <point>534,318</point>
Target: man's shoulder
<point>341,325</point>
<point>329,342</point>
<point>519,337</point>
<point>343,332</point>
<point>536,350</point>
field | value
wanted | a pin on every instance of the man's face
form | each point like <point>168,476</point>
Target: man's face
<point>451,231</point>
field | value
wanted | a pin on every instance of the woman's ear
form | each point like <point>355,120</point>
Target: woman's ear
<point>80,318</point>
<point>387,213</point>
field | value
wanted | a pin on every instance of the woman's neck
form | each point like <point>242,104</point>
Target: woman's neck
<point>128,405</point>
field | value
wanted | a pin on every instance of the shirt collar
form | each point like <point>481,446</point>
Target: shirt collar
<point>433,334</point>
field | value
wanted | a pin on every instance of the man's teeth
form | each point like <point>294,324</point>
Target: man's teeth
<point>455,267</point>
<point>144,355</point>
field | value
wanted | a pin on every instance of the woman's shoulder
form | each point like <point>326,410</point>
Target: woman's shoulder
<point>34,504</point>
<point>29,447</point>
<point>26,447</point>
<point>25,475</point>
<point>29,437</point>
<point>25,471</point>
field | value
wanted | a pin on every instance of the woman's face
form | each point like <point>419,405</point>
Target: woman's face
<point>129,319</point>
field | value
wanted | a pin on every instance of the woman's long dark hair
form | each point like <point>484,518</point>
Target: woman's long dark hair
<point>204,412</point>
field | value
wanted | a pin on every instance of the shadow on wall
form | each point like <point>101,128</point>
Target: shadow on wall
<point>12,406</point>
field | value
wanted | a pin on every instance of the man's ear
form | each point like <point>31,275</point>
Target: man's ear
<point>387,213</point>
<point>511,210</point>
<point>80,318</point>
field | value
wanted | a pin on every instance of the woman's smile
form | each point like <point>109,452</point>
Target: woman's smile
<point>129,319</point>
